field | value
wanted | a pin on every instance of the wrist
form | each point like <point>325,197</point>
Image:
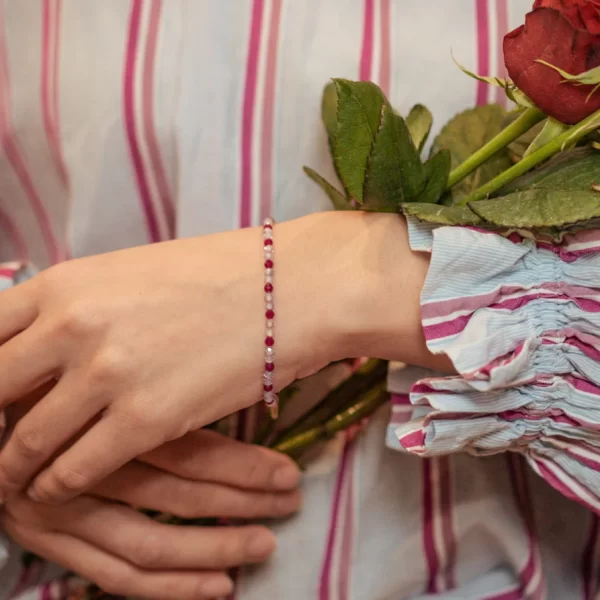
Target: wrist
<point>356,287</point>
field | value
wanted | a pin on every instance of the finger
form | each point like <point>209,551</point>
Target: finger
<point>18,310</point>
<point>141,485</point>
<point>113,574</point>
<point>208,456</point>
<point>109,444</point>
<point>26,362</point>
<point>124,532</point>
<point>43,430</point>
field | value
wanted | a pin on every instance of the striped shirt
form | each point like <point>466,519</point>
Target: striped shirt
<point>126,122</point>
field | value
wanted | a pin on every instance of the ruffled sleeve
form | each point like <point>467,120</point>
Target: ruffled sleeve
<point>520,320</point>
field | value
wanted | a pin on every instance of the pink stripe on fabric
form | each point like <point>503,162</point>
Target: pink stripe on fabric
<point>17,239</point>
<point>366,55</point>
<point>49,85</point>
<point>558,484</point>
<point>555,289</point>
<point>7,273</point>
<point>448,534</point>
<point>325,577</point>
<point>16,159</point>
<point>515,594</point>
<point>532,567</point>
<point>501,31</point>
<point>385,60</point>
<point>348,533</point>
<point>589,561</point>
<point>268,114</point>
<point>130,120</point>
<point>158,168</point>
<point>483,49</point>
<point>248,112</point>
<point>429,549</point>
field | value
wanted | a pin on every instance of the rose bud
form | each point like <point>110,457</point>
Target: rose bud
<point>565,34</point>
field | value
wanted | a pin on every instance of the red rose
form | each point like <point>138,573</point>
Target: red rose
<point>566,34</point>
<point>582,14</point>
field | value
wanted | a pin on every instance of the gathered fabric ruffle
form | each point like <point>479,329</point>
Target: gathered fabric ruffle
<point>520,320</point>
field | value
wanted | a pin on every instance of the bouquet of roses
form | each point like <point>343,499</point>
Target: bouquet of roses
<point>534,171</point>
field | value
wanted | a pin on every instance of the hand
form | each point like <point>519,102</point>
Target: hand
<point>146,344</point>
<point>124,552</point>
<point>153,342</point>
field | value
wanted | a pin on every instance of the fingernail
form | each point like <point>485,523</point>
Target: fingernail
<point>286,478</point>
<point>217,587</point>
<point>260,546</point>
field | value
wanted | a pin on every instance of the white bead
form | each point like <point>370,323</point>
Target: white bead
<point>268,271</point>
<point>269,324</point>
<point>268,221</point>
<point>268,279</point>
<point>269,332</point>
<point>269,306</point>
<point>268,378</point>
<point>267,234</point>
<point>268,297</point>
<point>268,255</point>
<point>269,359</point>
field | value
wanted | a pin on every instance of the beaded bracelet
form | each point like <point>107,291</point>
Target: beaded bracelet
<point>269,396</point>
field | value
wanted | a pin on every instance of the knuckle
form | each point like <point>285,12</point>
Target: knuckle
<point>148,553</point>
<point>137,420</point>
<point>109,365</point>
<point>114,581</point>
<point>29,440</point>
<point>60,481</point>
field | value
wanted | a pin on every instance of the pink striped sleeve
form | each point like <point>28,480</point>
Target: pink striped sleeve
<point>521,322</point>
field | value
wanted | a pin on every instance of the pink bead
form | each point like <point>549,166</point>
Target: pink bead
<point>269,367</point>
<point>268,264</point>
<point>268,288</point>
<point>268,388</point>
<point>268,242</point>
<point>270,314</point>
<point>269,341</point>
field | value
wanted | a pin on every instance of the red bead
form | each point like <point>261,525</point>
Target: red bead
<point>267,226</point>
<point>270,314</point>
<point>268,388</point>
<point>268,264</point>
<point>268,242</point>
<point>269,366</point>
<point>268,288</point>
<point>269,341</point>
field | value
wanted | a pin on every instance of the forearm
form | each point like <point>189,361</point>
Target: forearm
<point>363,283</point>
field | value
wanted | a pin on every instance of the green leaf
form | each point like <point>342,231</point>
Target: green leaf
<point>556,195</point>
<point>339,201</point>
<point>441,215</point>
<point>591,77</point>
<point>329,108</point>
<point>539,208</point>
<point>419,122</point>
<point>359,112</point>
<point>551,129</point>
<point>466,133</point>
<point>395,172</point>
<point>575,169</point>
<point>437,169</point>
<point>510,89</point>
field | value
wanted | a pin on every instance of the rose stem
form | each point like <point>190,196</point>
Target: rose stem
<point>521,125</point>
<point>571,136</point>
<point>369,402</point>
<point>365,377</point>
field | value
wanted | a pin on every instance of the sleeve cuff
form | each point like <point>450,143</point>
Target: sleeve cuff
<point>520,319</point>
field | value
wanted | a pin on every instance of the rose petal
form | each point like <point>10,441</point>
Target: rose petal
<point>549,36</point>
